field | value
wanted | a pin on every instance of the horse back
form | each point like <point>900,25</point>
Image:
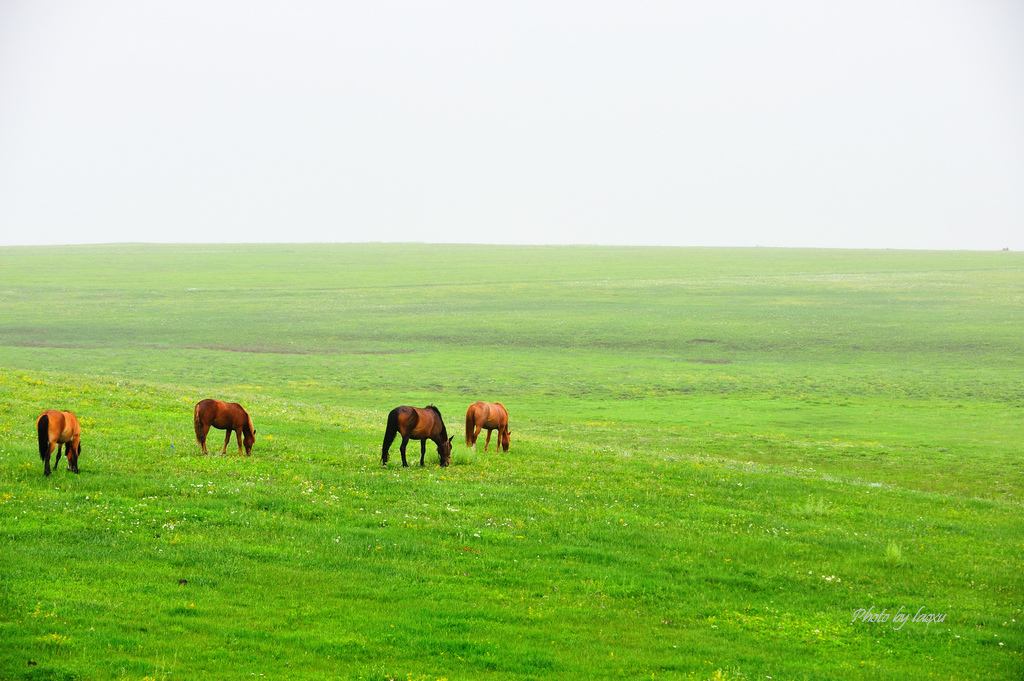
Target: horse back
<point>480,412</point>
<point>54,419</point>
<point>222,415</point>
<point>232,415</point>
<point>422,424</point>
<point>206,409</point>
<point>62,425</point>
<point>493,415</point>
<point>71,424</point>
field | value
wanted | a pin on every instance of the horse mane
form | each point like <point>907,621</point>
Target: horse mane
<point>248,420</point>
<point>437,411</point>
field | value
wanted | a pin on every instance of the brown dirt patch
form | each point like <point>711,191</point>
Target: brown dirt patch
<point>280,350</point>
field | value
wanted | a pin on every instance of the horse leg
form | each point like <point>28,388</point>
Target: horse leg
<point>423,450</point>
<point>238,438</point>
<point>488,442</point>
<point>476,434</point>
<point>57,460</point>
<point>227,439</point>
<point>46,461</point>
<point>405,442</point>
<point>201,433</point>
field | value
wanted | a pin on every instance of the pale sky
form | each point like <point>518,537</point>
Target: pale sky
<point>791,123</point>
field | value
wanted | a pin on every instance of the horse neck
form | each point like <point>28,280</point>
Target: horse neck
<point>441,436</point>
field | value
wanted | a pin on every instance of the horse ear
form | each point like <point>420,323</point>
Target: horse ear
<point>451,438</point>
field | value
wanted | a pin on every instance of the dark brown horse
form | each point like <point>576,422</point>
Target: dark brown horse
<point>59,429</point>
<point>417,424</point>
<point>229,416</point>
<point>488,416</point>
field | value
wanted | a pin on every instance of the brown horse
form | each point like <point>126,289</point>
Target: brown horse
<point>417,424</point>
<point>229,416</point>
<point>488,416</point>
<point>59,428</point>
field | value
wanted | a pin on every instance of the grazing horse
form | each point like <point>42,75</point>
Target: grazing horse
<point>417,424</point>
<point>229,416</point>
<point>488,416</point>
<point>59,428</point>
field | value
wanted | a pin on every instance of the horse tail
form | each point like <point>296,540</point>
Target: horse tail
<point>197,423</point>
<point>470,425</point>
<point>43,429</point>
<point>390,432</point>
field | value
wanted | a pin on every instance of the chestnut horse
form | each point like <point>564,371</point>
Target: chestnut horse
<point>59,428</point>
<point>417,424</point>
<point>229,416</point>
<point>489,416</point>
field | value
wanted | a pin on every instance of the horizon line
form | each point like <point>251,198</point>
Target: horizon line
<point>1004,249</point>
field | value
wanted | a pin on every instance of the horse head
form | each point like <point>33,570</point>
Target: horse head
<point>249,435</point>
<point>444,450</point>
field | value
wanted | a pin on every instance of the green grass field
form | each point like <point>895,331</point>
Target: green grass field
<point>718,456</point>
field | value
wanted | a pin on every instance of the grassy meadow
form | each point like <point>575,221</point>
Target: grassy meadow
<point>718,456</point>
